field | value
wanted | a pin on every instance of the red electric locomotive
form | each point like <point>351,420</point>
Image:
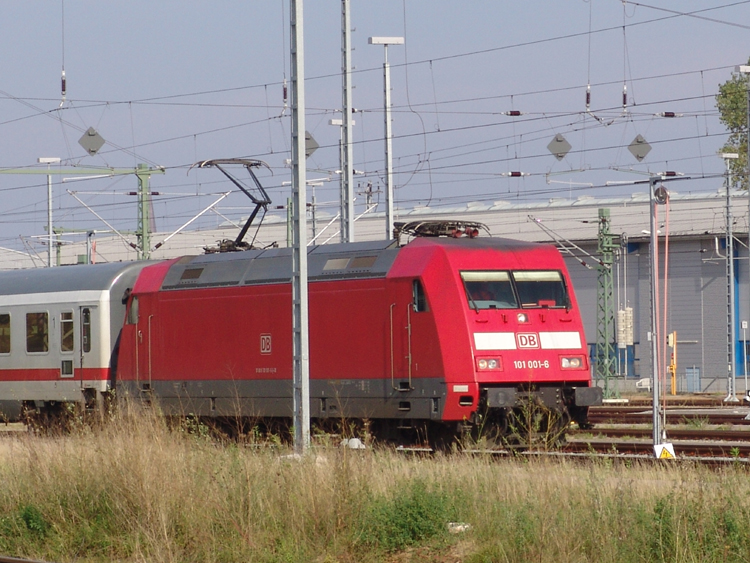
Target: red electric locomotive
<point>442,334</point>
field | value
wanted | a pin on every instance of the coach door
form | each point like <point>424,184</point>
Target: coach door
<point>86,335</point>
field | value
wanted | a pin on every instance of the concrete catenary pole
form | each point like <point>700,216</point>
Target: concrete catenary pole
<point>347,153</point>
<point>300,340</point>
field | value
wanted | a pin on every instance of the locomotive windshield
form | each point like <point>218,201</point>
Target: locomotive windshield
<point>541,288</point>
<point>489,290</point>
<point>506,290</point>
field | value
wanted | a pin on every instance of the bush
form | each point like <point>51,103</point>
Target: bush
<point>411,514</point>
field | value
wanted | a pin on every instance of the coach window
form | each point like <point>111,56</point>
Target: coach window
<point>66,331</point>
<point>5,333</point>
<point>86,329</point>
<point>37,332</point>
<point>419,297</point>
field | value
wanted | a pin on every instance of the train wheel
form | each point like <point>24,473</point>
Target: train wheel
<point>580,416</point>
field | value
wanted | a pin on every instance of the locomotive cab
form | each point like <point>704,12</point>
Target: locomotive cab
<point>512,344</point>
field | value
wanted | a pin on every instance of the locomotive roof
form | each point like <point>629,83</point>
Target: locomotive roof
<point>496,243</point>
<point>64,278</point>
<point>325,262</point>
<point>329,261</point>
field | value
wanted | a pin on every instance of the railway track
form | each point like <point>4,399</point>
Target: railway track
<point>715,435</point>
<point>731,451</point>
<point>680,401</point>
<point>735,415</point>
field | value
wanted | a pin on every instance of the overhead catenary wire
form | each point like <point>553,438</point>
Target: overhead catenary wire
<point>428,158</point>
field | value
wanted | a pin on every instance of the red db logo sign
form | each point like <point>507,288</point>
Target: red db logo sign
<point>528,340</point>
<point>265,343</point>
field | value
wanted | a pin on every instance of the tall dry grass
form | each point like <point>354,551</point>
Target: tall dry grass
<point>136,490</point>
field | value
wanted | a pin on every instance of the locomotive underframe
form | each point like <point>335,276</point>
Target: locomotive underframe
<point>414,414</point>
<point>509,405</point>
<point>424,399</point>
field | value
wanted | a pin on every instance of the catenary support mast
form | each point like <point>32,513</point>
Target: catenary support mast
<point>605,315</point>
<point>347,158</point>
<point>300,340</point>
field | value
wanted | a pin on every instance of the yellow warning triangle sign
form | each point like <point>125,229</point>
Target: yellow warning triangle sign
<point>664,451</point>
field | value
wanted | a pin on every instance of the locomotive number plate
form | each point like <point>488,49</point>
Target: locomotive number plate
<point>531,364</point>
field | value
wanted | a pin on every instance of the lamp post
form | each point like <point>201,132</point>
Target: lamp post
<point>385,41</point>
<point>50,235</point>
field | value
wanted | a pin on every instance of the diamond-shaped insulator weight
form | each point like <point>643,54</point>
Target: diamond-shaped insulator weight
<point>559,147</point>
<point>639,148</point>
<point>91,141</point>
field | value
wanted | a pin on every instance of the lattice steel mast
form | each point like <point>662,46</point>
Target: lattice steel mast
<point>605,306</point>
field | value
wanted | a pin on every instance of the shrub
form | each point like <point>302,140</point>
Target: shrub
<point>413,513</point>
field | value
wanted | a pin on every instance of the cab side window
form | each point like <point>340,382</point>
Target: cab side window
<point>133,311</point>
<point>37,332</point>
<point>5,333</point>
<point>419,298</point>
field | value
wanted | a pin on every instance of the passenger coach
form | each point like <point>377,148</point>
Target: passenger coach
<point>58,332</point>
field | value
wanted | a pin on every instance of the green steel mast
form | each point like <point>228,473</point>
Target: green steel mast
<point>605,306</point>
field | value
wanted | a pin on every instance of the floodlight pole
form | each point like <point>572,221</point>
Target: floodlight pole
<point>385,41</point>
<point>300,340</point>
<point>50,235</point>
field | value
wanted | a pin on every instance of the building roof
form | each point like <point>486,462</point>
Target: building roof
<point>689,215</point>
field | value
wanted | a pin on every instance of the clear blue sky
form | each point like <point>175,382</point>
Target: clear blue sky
<point>172,82</point>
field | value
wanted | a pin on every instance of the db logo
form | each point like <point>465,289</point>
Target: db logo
<point>529,340</point>
<point>265,343</point>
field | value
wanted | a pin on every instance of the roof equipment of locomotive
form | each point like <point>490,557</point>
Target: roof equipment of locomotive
<point>260,203</point>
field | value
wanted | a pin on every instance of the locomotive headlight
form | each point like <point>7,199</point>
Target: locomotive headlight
<point>489,364</point>
<point>572,362</point>
<point>523,318</point>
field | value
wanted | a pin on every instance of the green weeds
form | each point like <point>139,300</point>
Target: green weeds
<point>138,489</point>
